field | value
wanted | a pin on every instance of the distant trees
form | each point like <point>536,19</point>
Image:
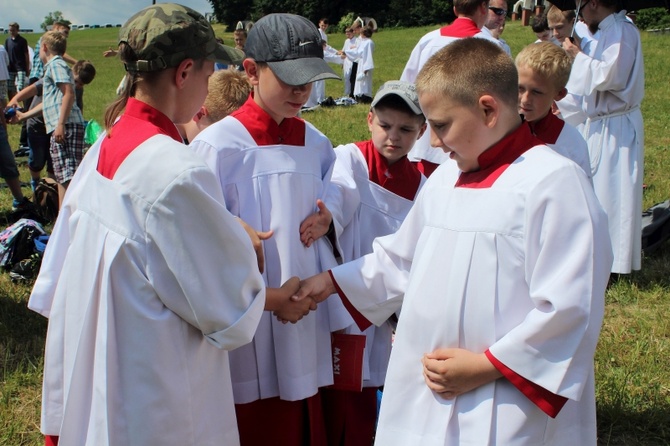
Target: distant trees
<point>49,19</point>
<point>387,13</point>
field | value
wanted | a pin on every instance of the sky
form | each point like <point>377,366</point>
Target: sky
<point>30,13</point>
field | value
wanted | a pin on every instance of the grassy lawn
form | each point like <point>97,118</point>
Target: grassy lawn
<point>633,357</point>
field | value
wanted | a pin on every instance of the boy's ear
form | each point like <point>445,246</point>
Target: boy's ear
<point>201,113</point>
<point>184,69</point>
<point>252,70</point>
<point>561,94</point>
<point>490,109</point>
<point>424,126</point>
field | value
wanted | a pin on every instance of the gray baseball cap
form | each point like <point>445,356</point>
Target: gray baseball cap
<point>404,90</point>
<point>291,46</point>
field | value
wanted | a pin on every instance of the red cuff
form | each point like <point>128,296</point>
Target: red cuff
<point>359,319</point>
<point>51,440</point>
<point>548,402</point>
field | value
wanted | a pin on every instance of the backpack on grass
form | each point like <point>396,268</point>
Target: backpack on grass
<point>46,199</point>
<point>21,248</point>
<point>655,226</point>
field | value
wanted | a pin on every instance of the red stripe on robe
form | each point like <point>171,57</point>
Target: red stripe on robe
<point>461,27</point>
<point>138,123</point>
<point>264,130</point>
<point>495,160</point>
<point>402,177</point>
<point>547,129</point>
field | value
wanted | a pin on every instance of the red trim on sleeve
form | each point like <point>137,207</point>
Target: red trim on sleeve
<point>51,440</point>
<point>359,319</point>
<point>548,402</point>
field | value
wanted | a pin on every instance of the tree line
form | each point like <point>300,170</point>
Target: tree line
<point>387,13</point>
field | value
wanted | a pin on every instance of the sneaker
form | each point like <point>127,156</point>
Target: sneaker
<point>20,205</point>
<point>26,269</point>
<point>22,151</point>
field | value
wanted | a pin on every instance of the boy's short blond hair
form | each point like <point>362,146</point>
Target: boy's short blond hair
<point>467,69</point>
<point>554,14</point>
<point>228,90</point>
<point>548,60</point>
<point>55,41</point>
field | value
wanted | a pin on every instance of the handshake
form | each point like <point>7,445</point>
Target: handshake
<point>296,298</point>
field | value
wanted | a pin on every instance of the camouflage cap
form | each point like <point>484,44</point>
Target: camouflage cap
<point>164,35</point>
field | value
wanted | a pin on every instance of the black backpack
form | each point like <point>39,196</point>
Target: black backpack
<point>655,226</point>
<point>46,199</point>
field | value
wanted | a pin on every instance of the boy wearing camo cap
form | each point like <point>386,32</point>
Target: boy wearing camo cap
<point>142,307</point>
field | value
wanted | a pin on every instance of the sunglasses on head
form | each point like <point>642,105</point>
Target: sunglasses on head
<point>498,11</point>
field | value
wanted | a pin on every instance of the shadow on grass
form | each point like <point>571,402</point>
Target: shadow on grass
<point>616,427</point>
<point>22,331</point>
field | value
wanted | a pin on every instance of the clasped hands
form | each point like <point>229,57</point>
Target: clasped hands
<point>298,297</point>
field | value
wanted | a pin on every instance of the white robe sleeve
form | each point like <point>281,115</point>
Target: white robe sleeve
<point>610,71</point>
<point>227,307</point>
<point>554,345</point>
<point>375,284</point>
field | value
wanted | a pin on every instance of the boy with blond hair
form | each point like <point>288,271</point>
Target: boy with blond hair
<point>63,119</point>
<point>544,70</point>
<point>228,91</point>
<point>273,167</point>
<point>500,267</point>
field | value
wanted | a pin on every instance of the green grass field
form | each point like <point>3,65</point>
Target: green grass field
<point>633,357</point>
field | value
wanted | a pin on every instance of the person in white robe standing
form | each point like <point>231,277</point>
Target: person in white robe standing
<point>610,81</point>
<point>142,302</point>
<point>362,54</point>
<point>500,267</point>
<point>471,17</point>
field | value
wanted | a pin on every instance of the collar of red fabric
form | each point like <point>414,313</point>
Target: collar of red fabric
<point>461,27</point>
<point>495,160</point>
<point>264,130</point>
<point>402,177</point>
<point>547,129</point>
<point>139,122</point>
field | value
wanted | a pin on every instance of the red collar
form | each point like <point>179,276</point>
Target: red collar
<point>138,123</point>
<point>547,129</point>
<point>495,160</point>
<point>264,130</point>
<point>461,27</point>
<point>402,177</point>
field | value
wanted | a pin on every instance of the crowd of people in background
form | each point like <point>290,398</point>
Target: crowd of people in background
<point>491,203</point>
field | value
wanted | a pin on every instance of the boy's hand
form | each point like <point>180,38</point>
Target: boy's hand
<point>257,238</point>
<point>59,133</point>
<point>572,48</point>
<point>317,287</point>
<point>454,371</point>
<point>316,225</point>
<point>290,310</point>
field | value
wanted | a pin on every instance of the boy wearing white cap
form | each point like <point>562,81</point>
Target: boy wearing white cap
<point>372,190</point>
<point>272,167</point>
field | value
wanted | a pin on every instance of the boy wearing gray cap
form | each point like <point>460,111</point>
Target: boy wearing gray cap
<point>272,167</point>
<point>141,307</point>
<point>372,190</point>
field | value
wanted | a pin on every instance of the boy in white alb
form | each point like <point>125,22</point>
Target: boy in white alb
<point>142,303</point>
<point>372,190</point>
<point>500,266</point>
<point>544,69</point>
<point>362,54</point>
<point>610,81</point>
<point>273,167</point>
<point>472,15</point>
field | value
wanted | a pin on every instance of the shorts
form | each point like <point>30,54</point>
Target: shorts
<point>17,82</point>
<point>3,92</point>
<point>8,169</point>
<point>67,156</point>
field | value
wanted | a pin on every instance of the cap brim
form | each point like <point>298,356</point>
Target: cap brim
<point>409,102</point>
<point>302,71</point>
<point>227,55</point>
